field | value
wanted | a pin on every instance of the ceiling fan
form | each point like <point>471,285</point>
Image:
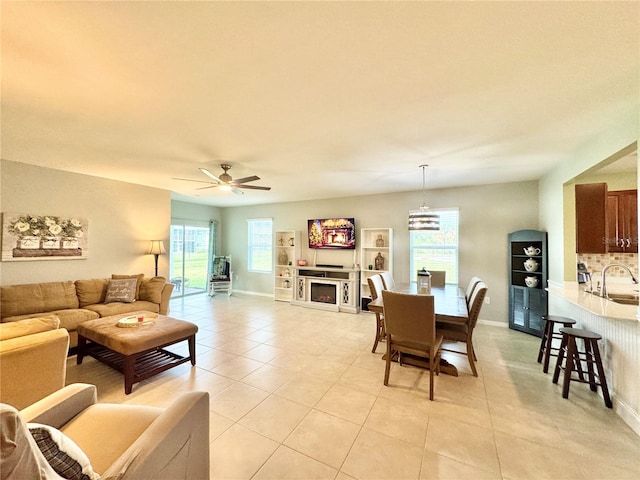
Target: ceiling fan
<point>225,182</point>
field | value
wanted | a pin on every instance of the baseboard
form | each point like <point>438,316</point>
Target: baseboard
<point>627,414</point>
<point>493,323</point>
<point>257,294</point>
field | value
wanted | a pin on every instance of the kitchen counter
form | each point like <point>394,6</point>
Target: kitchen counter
<point>577,294</point>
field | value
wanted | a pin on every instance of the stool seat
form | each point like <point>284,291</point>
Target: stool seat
<point>548,335</point>
<point>575,358</point>
<point>581,333</point>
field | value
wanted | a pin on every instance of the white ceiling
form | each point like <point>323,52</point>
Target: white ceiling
<point>319,99</point>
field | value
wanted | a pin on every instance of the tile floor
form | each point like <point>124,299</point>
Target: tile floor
<point>297,394</point>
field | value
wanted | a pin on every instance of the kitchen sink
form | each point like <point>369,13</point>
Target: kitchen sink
<point>624,298</point>
<point>626,301</point>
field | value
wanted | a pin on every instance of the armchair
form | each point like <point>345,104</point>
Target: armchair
<point>33,359</point>
<point>120,441</point>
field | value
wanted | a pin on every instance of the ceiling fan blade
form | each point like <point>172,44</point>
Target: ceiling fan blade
<point>213,185</point>
<point>253,178</point>
<point>237,192</point>
<point>190,180</point>
<point>253,187</point>
<point>209,174</point>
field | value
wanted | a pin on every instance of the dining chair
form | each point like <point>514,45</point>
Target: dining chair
<point>464,331</point>
<point>376,287</point>
<point>388,281</point>
<point>470,288</point>
<point>410,324</point>
<point>438,278</point>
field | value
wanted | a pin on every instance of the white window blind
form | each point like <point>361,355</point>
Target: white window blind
<point>260,254</point>
<point>436,250</point>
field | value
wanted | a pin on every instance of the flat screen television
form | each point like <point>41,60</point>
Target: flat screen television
<point>332,233</point>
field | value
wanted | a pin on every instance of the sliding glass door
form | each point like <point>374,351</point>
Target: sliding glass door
<point>190,257</point>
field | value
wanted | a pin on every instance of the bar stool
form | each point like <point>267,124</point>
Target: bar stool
<point>574,359</point>
<point>548,334</point>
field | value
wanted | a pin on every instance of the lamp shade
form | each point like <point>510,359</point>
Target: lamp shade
<point>422,219</point>
<point>156,247</point>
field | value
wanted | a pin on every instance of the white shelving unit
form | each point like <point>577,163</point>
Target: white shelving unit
<point>286,252</point>
<point>372,242</point>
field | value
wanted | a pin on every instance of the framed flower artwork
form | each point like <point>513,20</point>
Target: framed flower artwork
<point>43,237</point>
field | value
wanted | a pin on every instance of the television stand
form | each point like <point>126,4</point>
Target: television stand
<point>336,289</point>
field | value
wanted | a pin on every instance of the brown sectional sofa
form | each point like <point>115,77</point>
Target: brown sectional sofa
<point>74,302</point>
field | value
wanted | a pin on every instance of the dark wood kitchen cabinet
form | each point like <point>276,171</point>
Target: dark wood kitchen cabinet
<point>622,221</point>
<point>591,218</point>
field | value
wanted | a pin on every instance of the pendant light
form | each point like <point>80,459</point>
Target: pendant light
<point>422,218</point>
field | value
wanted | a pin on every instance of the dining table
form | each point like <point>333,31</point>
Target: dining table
<point>450,307</point>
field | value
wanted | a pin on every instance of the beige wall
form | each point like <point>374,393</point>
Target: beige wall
<point>555,215</point>
<point>487,215</point>
<point>192,211</point>
<point>122,219</point>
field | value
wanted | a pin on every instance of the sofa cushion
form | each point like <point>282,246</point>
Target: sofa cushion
<point>69,319</point>
<point>138,278</point>
<point>92,291</point>
<point>28,326</point>
<point>151,289</point>
<point>122,290</point>
<point>62,453</point>
<point>116,308</point>
<point>37,297</point>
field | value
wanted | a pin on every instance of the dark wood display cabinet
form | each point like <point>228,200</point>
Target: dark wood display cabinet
<point>528,301</point>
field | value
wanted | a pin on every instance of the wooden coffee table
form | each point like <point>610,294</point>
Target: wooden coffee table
<point>137,352</point>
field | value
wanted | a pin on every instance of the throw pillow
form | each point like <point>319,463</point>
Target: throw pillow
<point>62,453</point>
<point>151,289</point>
<point>138,278</point>
<point>92,291</point>
<point>28,326</point>
<point>122,290</point>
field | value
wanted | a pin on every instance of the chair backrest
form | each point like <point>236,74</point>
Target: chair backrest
<point>470,288</point>
<point>409,317</point>
<point>375,285</point>
<point>438,278</point>
<point>388,281</point>
<point>477,299</point>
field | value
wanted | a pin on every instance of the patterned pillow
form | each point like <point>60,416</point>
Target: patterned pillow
<point>62,453</point>
<point>121,290</point>
<point>138,278</point>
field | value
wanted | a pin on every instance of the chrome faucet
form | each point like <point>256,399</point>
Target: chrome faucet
<point>604,292</point>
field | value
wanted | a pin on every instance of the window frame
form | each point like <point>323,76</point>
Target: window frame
<point>264,246</point>
<point>413,268</point>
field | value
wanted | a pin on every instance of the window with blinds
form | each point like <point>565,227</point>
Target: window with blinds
<point>436,250</point>
<point>260,241</point>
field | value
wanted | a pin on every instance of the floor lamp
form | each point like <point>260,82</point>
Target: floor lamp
<point>156,248</point>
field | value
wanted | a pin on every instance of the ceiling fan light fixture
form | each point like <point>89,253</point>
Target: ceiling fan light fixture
<point>422,218</point>
<point>224,187</point>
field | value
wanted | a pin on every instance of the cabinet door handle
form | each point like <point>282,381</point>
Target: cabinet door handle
<point>628,242</point>
<point>622,243</point>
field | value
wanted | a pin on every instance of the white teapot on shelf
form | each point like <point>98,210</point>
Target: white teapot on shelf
<point>531,282</point>
<point>531,265</point>
<point>531,250</point>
